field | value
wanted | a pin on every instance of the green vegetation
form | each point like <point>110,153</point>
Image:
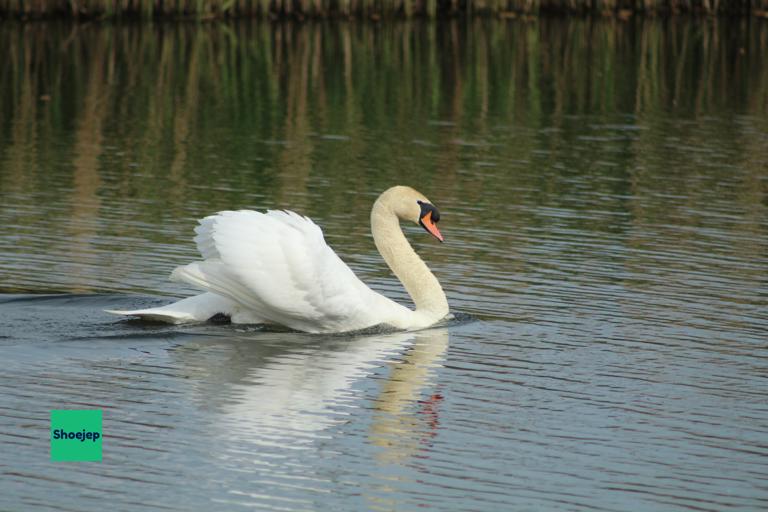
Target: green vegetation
<point>125,127</point>
<point>374,9</point>
<point>163,92</point>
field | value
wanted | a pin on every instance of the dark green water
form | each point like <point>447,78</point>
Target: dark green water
<point>604,196</point>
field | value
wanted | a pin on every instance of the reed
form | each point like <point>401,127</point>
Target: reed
<point>376,9</point>
<point>164,113</point>
<point>162,95</point>
<point>326,77</point>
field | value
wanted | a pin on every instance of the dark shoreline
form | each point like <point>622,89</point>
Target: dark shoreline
<point>278,10</point>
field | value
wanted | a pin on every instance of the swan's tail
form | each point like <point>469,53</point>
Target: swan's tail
<point>192,309</point>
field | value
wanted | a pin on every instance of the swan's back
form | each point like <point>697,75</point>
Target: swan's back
<point>278,266</point>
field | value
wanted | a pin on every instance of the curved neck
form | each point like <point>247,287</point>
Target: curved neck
<point>418,280</point>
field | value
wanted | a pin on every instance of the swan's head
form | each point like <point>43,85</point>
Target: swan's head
<point>411,205</point>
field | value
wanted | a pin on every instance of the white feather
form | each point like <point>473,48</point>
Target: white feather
<point>194,309</point>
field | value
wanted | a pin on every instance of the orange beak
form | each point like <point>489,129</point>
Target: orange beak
<point>430,226</point>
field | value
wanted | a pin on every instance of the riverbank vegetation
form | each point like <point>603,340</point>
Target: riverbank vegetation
<point>370,9</point>
<point>154,96</point>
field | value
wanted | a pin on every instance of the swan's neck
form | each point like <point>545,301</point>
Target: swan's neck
<point>418,280</point>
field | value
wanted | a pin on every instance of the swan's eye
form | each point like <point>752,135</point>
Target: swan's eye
<point>427,209</point>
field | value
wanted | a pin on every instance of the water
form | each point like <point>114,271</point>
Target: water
<point>604,196</point>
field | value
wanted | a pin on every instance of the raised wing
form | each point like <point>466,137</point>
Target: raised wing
<point>278,265</point>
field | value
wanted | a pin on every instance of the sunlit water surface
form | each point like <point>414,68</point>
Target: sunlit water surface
<point>604,196</point>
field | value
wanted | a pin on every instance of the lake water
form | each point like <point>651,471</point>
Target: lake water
<point>604,195</point>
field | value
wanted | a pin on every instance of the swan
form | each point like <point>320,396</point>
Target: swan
<point>275,268</point>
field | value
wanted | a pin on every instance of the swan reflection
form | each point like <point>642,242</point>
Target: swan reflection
<point>406,415</point>
<point>284,390</point>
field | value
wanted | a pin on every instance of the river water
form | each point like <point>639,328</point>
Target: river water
<point>603,187</point>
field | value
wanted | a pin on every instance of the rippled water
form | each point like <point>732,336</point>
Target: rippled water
<point>604,196</point>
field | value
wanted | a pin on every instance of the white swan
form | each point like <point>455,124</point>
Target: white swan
<point>276,268</point>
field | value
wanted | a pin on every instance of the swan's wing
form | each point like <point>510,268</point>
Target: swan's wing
<point>278,265</point>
